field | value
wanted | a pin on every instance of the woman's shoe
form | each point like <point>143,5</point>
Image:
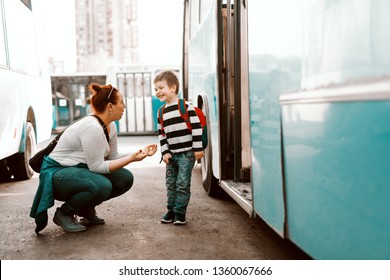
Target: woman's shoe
<point>68,223</point>
<point>90,216</point>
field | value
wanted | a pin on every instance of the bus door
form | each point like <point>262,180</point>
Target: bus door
<point>80,101</point>
<point>63,108</point>
<point>138,116</point>
<point>234,105</point>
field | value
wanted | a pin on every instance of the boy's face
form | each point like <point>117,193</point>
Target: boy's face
<point>164,92</point>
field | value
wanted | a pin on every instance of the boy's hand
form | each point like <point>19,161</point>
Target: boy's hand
<point>167,157</point>
<point>198,155</point>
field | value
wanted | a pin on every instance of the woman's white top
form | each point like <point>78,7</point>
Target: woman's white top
<point>85,142</point>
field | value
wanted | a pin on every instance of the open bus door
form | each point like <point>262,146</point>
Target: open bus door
<point>234,105</point>
<point>216,81</point>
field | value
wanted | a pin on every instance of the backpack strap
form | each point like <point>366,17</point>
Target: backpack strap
<point>184,112</point>
<point>160,118</point>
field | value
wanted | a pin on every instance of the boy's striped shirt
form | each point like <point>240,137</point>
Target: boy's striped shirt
<point>177,137</point>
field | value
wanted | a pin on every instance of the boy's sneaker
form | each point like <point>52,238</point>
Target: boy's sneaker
<point>180,219</point>
<point>168,217</point>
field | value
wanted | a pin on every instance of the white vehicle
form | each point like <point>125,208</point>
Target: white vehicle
<point>25,88</point>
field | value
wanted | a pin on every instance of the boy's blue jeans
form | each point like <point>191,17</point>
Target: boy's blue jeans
<point>178,181</point>
<point>82,189</point>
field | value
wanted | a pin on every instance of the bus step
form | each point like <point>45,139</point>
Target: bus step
<point>241,193</point>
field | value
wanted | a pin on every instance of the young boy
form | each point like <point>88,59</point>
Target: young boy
<point>179,147</point>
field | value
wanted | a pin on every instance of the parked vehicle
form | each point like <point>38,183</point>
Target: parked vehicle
<point>297,98</point>
<point>25,91</point>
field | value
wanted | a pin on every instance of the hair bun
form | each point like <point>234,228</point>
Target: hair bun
<point>96,87</point>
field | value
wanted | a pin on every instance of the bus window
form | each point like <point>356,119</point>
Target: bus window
<point>3,55</point>
<point>205,7</point>
<point>194,17</point>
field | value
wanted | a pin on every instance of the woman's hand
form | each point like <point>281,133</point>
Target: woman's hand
<point>139,155</point>
<point>149,150</point>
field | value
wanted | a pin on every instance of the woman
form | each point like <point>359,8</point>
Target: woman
<point>85,169</point>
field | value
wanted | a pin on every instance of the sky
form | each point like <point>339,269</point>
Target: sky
<point>159,31</point>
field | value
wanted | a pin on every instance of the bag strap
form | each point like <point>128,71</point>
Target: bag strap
<point>181,103</point>
<point>184,112</point>
<point>160,118</point>
<point>59,134</point>
<point>104,128</point>
<point>57,138</point>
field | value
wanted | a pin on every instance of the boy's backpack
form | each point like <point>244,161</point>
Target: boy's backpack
<point>184,114</point>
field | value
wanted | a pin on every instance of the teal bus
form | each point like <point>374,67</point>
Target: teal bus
<point>297,98</point>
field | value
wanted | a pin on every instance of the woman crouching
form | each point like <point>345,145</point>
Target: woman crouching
<point>85,168</point>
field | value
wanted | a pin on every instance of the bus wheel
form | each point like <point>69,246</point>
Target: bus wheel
<point>18,163</point>
<point>210,183</point>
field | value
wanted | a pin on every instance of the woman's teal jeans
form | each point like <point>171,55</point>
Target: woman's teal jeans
<point>82,189</point>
